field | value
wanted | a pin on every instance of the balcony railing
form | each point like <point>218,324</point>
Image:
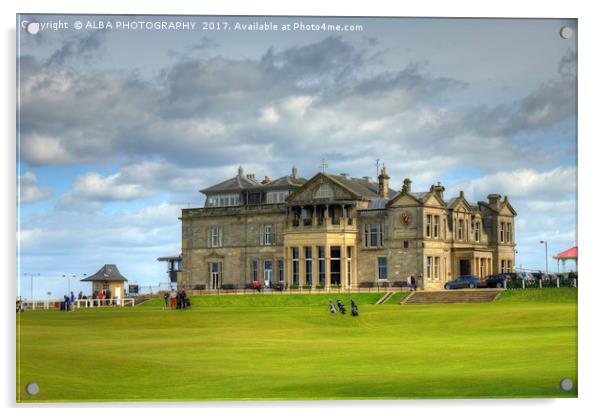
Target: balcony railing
<point>321,223</point>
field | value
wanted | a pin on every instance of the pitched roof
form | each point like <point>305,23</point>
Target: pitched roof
<point>285,182</point>
<point>361,186</point>
<point>107,273</point>
<point>379,203</point>
<point>237,183</point>
<point>571,253</point>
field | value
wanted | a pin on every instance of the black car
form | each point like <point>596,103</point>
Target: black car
<point>463,282</point>
<point>497,280</point>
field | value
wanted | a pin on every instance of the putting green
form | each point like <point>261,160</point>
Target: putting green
<point>270,347</point>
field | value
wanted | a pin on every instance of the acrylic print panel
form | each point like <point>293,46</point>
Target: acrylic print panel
<point>386,208</point>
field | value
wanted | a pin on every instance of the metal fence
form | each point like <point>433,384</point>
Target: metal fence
<point>539,283</point>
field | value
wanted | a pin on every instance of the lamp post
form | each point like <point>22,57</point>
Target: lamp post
<point>546,244</point>
<point>31,276</point>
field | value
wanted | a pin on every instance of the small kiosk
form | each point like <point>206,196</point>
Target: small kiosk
<point>108,279</point>
<point>570,254</point>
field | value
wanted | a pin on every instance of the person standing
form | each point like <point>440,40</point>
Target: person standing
<point>166,300</point>
<point>414,285</point>
<point>72,301</point>
<point>409,281</point>
<point>172,299</point>
<point>101,298</point>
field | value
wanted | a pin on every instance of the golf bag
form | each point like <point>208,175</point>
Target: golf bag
<point>354,310</point>
<point>341,306</point>
<point>331,307</point>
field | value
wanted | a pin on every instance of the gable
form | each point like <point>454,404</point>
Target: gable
<point>404,200</point>
<point>433,200</point>
<point>507,210</point>
<point>321,188</point>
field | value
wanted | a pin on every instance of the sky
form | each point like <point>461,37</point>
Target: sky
<point>118,129</point>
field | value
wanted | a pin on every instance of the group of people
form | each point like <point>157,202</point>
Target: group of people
<point>176,300</point>
<point>68,303</point>
<point>354,310</point>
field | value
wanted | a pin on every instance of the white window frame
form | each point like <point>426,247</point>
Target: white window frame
<point>215,237</point>
<point>429,224</point>
<point>267,235</point>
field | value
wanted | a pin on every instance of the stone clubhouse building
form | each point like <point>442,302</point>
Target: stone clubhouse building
<point>340,231</point>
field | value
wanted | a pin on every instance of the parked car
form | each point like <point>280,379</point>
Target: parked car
<point>525,276</point>
<point>497,280</point>
<point>462,282</point>
<point>538,275</point>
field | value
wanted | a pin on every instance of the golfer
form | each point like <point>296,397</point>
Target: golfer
<point>172,299</point>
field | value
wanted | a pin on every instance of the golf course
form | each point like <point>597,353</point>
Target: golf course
<point>290,347</point>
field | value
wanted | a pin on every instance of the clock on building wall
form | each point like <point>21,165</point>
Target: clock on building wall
<point>406,218</point>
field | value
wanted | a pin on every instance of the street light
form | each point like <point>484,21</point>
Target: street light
<point>546,244</point>
<point>31,275</point>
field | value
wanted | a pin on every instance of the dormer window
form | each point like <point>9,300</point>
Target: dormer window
<point>226,200</point>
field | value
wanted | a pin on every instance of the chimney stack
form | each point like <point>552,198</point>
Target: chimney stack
<point>438,189</point>
<point>494,200</point>
<point>295,173</point>
<point>407,186</point>
<point>241,172</point>
<point>265,180</point>
<point>251,176</point>
<point>383,183</point>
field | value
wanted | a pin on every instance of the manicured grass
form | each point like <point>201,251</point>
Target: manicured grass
<point>252,348</point>
<point>554,295</point>
<point>397,297</point>
<point>273,300</point>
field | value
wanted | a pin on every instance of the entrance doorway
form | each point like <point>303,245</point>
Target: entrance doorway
<point>215,275</point>
<point>267,272</point>
<point>464,267</point>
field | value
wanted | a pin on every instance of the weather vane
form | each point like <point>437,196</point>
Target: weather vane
<point>323,165</point>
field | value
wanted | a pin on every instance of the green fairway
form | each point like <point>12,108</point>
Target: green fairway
<point>279,346</point>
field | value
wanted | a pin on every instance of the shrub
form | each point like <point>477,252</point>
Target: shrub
<point>294,287</point>
<point>307,287</point>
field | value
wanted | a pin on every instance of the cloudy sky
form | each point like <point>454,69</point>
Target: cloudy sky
<point>119,129</point>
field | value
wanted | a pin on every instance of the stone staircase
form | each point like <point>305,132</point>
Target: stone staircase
<point>385,298</point>
<point>452,296</point>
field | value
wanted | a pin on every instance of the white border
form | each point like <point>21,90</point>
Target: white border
<point>589,193</point>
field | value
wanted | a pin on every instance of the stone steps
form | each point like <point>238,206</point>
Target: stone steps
<point>452,296</point>
<point>385,298</point>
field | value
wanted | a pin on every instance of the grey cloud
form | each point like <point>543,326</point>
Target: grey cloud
<point>208,112</point>
<point>568,64</point>
<point>84,46</point>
